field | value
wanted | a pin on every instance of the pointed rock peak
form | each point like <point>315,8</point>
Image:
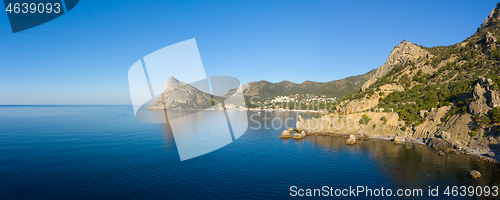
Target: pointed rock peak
<point>172,79</point>
<point>172,83</point>
<point>401,53</point>
<point>404,51</point>
<point>493,16</point>
<point>404,42</point>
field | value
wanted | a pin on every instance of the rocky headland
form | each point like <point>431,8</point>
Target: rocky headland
<point>444,97</point>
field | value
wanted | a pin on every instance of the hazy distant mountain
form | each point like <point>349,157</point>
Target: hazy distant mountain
<point>336,88</point>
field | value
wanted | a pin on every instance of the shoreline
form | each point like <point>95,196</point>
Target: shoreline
<point>248,109</point>
<point>478,153</point>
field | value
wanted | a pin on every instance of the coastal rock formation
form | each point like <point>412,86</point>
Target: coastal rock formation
<point>298,136</point>
<point>474,174</point>
<point>351,140</point>
<point>441,153</point>
<point>299,125</point>
<point>440,143</point>
<point>399,55</point>
<point>398,140</point>
<point>179,95</point>
<point>285,134</point>
<point>342,124</point>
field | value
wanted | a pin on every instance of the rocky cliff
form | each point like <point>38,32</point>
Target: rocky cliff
<point>345,124</point>
<point>400,55</point>
<point>446,95</point>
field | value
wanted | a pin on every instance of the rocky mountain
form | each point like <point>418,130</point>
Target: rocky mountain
<point>336,88</point>
<point>179,95</point>
<point>402,53</point>
<point>448,95</point>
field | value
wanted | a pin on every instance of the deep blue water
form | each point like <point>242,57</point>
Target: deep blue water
<point>104,152</point>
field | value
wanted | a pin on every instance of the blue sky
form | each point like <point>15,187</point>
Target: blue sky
<point>83,57</point>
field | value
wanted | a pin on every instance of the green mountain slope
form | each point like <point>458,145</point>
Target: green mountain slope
<point>336,88</point>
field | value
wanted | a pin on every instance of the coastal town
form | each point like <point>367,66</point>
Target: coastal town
<point>296,102</point>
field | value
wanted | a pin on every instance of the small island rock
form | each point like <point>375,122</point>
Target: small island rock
<point>297,136</point>
<point>351,140</point>
<point>398,140</point>
<point>285,134</point>
<point>474,174</point>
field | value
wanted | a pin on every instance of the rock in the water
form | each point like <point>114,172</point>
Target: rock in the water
<point>297,136</point>
<point>441,153</point>
<point>299,126</point>
<point>440,143</point>
<point>474,174</point>
<point>491,154</point>
<point>398,140</point>
<point>303,133</point>
<point>285,134</point>
<point>351,140</point>
<point>290,130</point>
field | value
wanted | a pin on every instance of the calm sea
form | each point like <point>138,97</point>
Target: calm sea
<point>104,152</point>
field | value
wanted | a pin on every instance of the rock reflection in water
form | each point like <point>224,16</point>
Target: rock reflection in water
<point>418,166</point>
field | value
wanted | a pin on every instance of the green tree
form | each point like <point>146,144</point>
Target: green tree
<point>383,118</point>
<point>364,120</point>
<point>495,114</point>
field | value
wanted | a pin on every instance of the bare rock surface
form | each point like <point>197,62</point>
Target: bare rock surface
<point>474,174</point>
<point>285,134</point>
<point>351,140</point>
<point>398,140</point>
<point>399,55</point>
